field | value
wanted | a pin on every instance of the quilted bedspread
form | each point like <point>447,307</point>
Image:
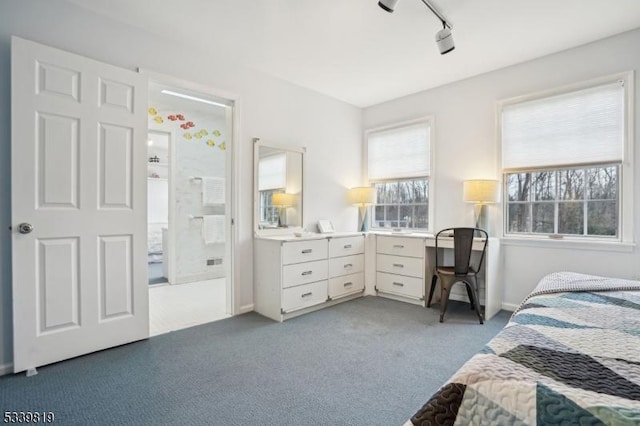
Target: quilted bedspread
<point>569,355</point>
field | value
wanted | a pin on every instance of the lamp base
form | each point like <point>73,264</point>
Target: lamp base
<point>363,225</point>
<point>482,221</point>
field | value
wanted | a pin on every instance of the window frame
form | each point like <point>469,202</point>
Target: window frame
<point>556,202</point>
<point>399,205</point>
<point>626,168</point>
<point>267,206</point>
<point>430,177</point>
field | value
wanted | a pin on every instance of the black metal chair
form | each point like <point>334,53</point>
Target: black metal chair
<point>462,270</point>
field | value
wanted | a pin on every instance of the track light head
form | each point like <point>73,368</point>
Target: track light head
<point>388,5</point>
<point>444,40</point>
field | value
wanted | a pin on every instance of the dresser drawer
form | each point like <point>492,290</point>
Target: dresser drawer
<point>401,265</point>
<point>400,285</point>
<point>346,246</point>
<point>400,246</point>
<point>302,273</point>
<point>345,285</point>
<point>303,296</point>
<point>304,251</point>
<point>346,265</point>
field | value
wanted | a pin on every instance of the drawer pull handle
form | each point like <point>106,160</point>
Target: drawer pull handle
<point>307,294</point>
<point>400,246</point>
<point>306,251</point>
<point>348,265</point>
<point>398,265</point>
<point>347,246</point>
<point>398,284</point>
<point>347,284</point>
<point>307,273</point>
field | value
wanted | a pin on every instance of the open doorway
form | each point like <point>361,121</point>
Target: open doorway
<point>189,188</point>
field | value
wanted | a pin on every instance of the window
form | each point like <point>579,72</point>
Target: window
<point>399,165</point>
<point>562,159</point>
<point>269,213</point>
<point>575,201</point>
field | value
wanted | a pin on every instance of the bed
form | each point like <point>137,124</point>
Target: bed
<point>570,354</point>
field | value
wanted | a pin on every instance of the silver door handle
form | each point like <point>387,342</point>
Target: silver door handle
<point>347,246</point>
<point>25,228</point>
<point>398,284</point>
<point>398,265</point>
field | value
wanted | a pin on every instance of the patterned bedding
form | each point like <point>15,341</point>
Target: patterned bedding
<point>569,355</point>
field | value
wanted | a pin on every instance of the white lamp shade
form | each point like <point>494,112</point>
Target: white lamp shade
<point>283,200</point>
<point>481,191</point>
<point>361,195</point>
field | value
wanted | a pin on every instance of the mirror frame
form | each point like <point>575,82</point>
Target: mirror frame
<point>257,143</point>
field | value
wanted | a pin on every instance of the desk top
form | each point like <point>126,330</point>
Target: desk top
<point>430,239</point>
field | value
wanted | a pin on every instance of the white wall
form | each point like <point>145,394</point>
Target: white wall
<point>466,147</point>
<point>269,108</point>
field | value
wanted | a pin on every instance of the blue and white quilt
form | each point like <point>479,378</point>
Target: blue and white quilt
<point>569,355</point>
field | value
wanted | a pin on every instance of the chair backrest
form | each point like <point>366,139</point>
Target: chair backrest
<point>462,247</point>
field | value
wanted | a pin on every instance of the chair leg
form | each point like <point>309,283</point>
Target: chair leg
<point>474,295</point>
<point>444,297</point>
<point>434,280</point>
<point>470,297</point>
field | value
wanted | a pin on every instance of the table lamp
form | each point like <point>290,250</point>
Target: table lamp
<point>481,192</point>
<point>282,200</point>
<point>362,196</point>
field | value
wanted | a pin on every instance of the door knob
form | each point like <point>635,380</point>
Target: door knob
<point>25,228</point>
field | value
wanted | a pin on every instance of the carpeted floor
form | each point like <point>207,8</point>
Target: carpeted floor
<point>371,361</point>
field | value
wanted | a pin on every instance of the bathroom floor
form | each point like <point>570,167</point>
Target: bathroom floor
<point>174,307</point>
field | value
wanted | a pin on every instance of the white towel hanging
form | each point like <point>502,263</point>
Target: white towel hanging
<point>213,229</point>
<point>212,191</point>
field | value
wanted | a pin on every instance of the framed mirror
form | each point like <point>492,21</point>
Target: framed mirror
<point>278,188</point>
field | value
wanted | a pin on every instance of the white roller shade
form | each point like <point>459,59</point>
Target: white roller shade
<point>272,172</point>
<point>400,152</point>
<point>581,127</point>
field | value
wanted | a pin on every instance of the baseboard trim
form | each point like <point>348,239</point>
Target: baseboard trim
<point>246,308</point>
<point>509,306</point>
<point>6,369</point>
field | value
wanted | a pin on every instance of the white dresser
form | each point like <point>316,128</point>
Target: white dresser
<point>400,267</point>
<point>296,275</point>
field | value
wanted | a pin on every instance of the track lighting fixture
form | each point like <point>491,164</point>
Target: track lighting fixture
<point>387,5</point>
<point>444,38</point>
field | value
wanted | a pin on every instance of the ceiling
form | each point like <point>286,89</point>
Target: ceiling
<point>354,51</point>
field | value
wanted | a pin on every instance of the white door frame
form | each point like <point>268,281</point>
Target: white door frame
<point>233,292</point>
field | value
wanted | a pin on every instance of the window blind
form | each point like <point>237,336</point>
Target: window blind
<point>272,172</point>
<point>400,152</point>
<point>581,127</point>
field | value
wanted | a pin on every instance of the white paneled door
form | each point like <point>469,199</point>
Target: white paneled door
<point>78,131</point>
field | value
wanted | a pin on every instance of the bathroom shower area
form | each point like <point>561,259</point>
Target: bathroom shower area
<point>188,175</point>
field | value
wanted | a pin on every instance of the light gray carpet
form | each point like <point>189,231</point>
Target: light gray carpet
<point>371,361</point>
